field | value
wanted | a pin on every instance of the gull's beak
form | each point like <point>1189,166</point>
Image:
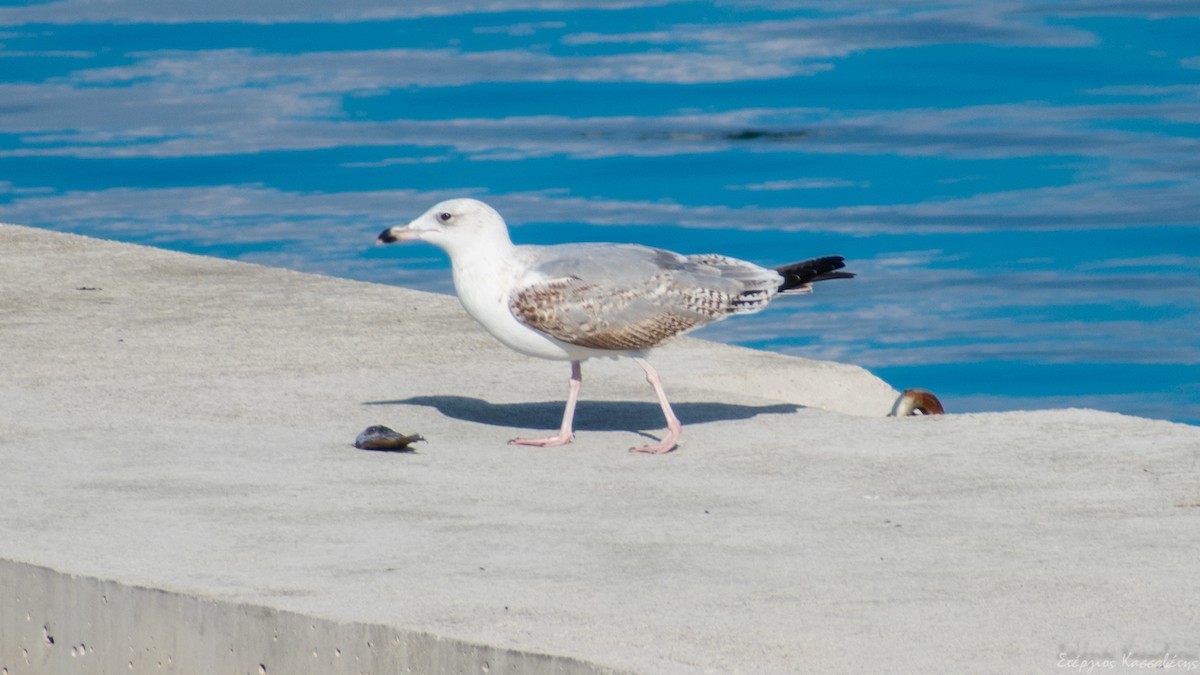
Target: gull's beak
<point>399,233</point>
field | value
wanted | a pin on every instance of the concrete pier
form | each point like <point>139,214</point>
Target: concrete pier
<point>181,494</point>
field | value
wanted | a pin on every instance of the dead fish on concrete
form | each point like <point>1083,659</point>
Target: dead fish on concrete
<point>380,437</point>
<point>916,402</point>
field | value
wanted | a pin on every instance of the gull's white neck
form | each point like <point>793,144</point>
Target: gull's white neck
<point>479,262</point>
<point>484,274</point>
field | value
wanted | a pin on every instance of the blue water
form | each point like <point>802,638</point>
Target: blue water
<point>1016,184</point>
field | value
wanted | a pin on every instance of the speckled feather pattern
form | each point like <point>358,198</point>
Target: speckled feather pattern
<point>672,295</point>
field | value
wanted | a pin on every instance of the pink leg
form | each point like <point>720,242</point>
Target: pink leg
<point>565,433</point>
<point>673,426</point>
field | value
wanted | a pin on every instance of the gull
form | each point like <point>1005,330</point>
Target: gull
<point>573,302</point>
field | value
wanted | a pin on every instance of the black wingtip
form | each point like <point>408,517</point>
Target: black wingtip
<point>799,274</point>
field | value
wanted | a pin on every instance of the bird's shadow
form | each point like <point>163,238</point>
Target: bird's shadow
<point>589,416</point>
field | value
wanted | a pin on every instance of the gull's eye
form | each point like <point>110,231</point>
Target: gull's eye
<point>445,216</point>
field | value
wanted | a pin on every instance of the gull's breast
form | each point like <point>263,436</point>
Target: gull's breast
<point>484,289</point>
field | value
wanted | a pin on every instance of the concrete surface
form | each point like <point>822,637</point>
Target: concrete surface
<point>181,494</point>
<point>83,624</point>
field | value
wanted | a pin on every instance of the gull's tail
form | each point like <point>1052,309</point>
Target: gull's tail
<point>799,277</point>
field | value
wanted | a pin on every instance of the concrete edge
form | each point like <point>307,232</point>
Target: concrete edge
<point>56,622</point>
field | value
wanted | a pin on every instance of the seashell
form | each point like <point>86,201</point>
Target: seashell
<point>379,437</point>
<point>916,402</point>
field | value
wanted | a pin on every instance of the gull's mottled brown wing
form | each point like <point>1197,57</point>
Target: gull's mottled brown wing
<point>632,298</point>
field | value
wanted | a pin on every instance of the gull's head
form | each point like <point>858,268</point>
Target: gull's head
<point>453,225</point>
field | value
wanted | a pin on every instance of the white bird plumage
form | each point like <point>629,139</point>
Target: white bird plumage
<point>573,302</point>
